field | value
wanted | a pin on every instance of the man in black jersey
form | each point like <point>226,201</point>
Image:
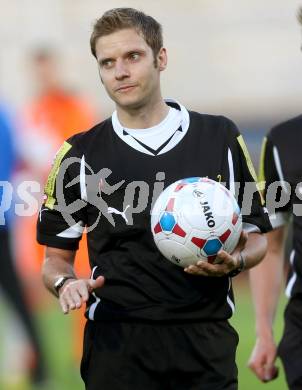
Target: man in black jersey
<point>281,165</point>
<point>151,324</point>
<point>281,171</point>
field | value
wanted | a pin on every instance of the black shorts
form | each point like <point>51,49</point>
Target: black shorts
<point>290,347</point>
<point>145,356</point>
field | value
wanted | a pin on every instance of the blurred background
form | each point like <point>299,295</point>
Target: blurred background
<point>239,58</point>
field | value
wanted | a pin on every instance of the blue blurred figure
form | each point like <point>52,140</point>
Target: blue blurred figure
<point>9,280</point>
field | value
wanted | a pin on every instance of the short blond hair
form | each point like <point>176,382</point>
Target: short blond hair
<point>121,18</point>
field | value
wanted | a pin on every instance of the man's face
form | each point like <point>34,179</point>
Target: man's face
<point>127,68</point>
<point>45,73</point>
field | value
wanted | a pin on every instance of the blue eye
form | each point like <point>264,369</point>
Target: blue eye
<point>134,56</point>
<point>108,63</point>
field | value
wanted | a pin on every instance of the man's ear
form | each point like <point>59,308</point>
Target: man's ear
<point>162,59</point>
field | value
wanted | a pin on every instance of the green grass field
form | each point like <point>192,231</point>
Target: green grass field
<point>57,338</point>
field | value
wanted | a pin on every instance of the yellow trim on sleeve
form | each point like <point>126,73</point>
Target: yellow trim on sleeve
<point>250,164</point>
<point>261,175</point>
<point>51,180</point>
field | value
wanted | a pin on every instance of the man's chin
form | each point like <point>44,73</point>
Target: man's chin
<point>129,104</point>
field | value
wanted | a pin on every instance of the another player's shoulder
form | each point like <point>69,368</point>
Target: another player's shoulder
<point>287,130</point>
<point>219,124</point>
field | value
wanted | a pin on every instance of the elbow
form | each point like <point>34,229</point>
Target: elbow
<point>255,249</point>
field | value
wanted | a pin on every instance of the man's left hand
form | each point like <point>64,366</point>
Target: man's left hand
<point>224,263</point>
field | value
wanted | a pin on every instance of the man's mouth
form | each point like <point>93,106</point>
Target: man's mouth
<point>125,88</point>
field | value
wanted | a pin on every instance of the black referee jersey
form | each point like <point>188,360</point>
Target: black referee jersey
<point>109,187</point>
<point>281,170</point>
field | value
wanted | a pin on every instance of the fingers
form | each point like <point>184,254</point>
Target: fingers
<point>206,269</point>
<point>230,261</point>
<point>225,263</point>
<point>274,373</point>
<point>73,295</point>
<point>256,364</point>
<point>76,292</point>
<point>270,373</point>
<point>270,370</point>
<point>73,299</point>
<point>262,361</point>
<point>264,371</point>
<point>83,292</point>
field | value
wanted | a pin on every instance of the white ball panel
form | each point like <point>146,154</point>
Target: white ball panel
<point>177,253</point>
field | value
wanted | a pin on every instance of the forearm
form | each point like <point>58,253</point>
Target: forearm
<point>57,263</point>
<point>73,293</point>
<point>254,250</point>
<point>266,281</point>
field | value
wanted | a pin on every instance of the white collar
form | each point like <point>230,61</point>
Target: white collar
<point>185,122</point>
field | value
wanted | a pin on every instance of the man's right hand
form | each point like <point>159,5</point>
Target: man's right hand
<point>75,292</point>
<point>262,360</point>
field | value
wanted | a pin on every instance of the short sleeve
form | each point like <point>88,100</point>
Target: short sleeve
<point>62,216</point>
<point>245,183</point>
<point>272,183</point>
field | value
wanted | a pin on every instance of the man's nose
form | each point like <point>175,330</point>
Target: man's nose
<point>121,70</point>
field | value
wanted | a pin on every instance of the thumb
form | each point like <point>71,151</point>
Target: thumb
<point>97,283</point>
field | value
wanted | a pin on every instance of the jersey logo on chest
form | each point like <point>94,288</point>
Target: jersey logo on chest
<point>112,210</point>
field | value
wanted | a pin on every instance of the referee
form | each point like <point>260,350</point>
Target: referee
<point>150,324</point>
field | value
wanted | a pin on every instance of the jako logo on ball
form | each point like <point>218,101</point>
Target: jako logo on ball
<point>193,219</point>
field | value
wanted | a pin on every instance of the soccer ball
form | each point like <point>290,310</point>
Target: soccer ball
<point>193,219</point>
